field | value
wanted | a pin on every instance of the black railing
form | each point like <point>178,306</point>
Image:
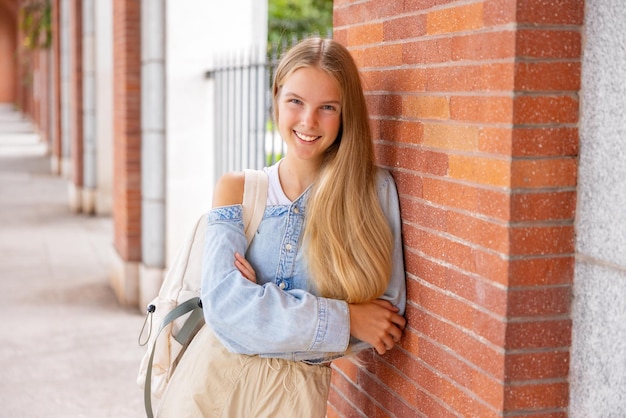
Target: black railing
<point>245,134</point>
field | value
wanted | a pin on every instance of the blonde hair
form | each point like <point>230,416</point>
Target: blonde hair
<point>347,238</point>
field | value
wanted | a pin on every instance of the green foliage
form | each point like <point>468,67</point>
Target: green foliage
<point>289,19</point>
<point>36,24</point>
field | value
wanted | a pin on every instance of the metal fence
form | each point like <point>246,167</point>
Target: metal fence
<point>245,134</point>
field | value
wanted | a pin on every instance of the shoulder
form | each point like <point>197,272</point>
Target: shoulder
<point>384,179</point>
<point>229,189</point>
<point>387,192</point>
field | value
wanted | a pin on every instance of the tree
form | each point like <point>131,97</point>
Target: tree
<point>290,19</point>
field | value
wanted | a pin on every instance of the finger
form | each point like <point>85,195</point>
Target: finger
<point>396,334</point>
<point>385,304</point>
<point>245,273</point>
<point>380,348</point>
<point>243,262</point>
<point>399,320</point>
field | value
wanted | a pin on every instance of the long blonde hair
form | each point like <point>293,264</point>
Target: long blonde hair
<point>347,238</point>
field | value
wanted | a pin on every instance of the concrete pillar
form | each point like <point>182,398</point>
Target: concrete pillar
<point>152,149</point>
<point>598,359</point>
<point>103,61</point>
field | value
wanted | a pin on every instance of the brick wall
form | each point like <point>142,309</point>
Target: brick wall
<point>56,80</point>
<point>76,105</point>
<point>474,108</point>
<point>127,134</point>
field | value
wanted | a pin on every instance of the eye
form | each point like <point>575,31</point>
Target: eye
<point>329,108</point>
<point>295,101</point>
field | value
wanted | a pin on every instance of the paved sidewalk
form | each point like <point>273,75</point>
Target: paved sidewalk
<point>67,349</point>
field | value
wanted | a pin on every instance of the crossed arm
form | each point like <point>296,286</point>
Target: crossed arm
<point>377,322</point>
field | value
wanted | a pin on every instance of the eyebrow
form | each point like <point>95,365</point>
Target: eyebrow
<point>291,94</point>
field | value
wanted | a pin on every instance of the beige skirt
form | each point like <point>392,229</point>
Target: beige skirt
<point>210,381</point>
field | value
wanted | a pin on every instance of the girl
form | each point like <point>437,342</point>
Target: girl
<point>324,275</point>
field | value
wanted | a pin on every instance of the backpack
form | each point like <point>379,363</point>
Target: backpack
<point>175,316</point>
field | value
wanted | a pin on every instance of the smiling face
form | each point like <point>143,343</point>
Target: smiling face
<point>309,114</point>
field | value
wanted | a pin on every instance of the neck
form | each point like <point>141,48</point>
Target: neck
<point>295,177</point>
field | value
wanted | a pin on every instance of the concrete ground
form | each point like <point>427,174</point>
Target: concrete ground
<point>67,349</point>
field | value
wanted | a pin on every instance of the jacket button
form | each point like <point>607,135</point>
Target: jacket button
<point>282,286</point>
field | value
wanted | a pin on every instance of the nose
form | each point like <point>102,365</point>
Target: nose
<point>308,118</point>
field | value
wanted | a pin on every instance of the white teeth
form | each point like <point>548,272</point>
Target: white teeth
<point>306,138</point>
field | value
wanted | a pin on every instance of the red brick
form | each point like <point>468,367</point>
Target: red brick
<point>542,271</point>
<point>438,386</point>
<point>407,132</point>
<point>545,109</point>
<point>536,396</point>
<point>358,399</point>
<point>455,19</point>
<point>539,301</point>
<point>425,107</point>
<point>530,142</point>
<point>480,170</point>
<point>376,385</point>
<point>427,51</point>
<point>127,130</point>
<point>364,12</point>
<point>478,291</point>
<point>414,5</point>
<point>365,34</point>
<point>542,240</point>
<point>553,172</point>
<point>484,386</point>
<point>494,203</point>
<point>485,109</point>
<point>413,159</point>
<point>499,12</point>
<point>470,77</point>
<point>465,345</point>
<point>483,46</point>
<point>392,80</point>
<point>408,184</point>
<point>450,194</point>
<point>458,312</point>
<point>495,140</point>
<point>404,27</point>
<point>541,43</point>
<point>383,104</point>
<point>537,365</point>
<point>347,368</point>
<point>543,206</point>
<point>547,76</point>
<point>447,136</point>
<point>556,333</point>
<point>476,230</point>
<point>553,12</point>
<point>378,56</point>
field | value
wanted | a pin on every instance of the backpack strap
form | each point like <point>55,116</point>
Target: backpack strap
<point>254,200</point>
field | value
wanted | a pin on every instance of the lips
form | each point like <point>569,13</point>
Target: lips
<point>306,138</point>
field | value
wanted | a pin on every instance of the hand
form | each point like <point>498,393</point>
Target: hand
<point>377,323</point>
<point>245,268</point>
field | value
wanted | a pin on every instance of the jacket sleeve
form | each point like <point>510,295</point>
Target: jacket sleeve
<point>252,319</point>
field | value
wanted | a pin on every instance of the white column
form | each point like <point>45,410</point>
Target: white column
<point>103,102</point>
<point>192,41</point>
<point>89,119</point>
<point>152,148</point>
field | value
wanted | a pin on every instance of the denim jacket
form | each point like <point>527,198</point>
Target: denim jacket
<point>281,316</point>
